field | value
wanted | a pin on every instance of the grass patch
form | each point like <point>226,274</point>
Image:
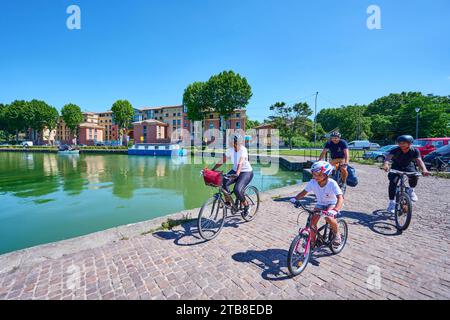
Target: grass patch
<point>445,175</point>
<point>364,161</point>
<point>169,224</point>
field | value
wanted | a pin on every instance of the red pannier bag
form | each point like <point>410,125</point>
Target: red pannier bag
<point>212,178</point>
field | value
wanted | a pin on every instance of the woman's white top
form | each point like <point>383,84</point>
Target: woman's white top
<point>236,156</point>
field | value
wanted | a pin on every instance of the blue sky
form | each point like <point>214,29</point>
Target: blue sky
<point>148,51</point>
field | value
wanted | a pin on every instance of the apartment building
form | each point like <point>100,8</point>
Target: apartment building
<point>176,118</point>
<point>89,131</point>
<point>150,131</point>
<point>106,120</point>
<point>171,115</point>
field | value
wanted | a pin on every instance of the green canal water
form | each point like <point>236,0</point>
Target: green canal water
<point>47,197</point>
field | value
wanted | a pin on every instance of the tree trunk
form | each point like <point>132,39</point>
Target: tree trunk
<point>290,143</point>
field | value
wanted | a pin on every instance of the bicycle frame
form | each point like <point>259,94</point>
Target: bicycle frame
<point>235,205</point>
<point>320,239</point>
<point>401,185</point>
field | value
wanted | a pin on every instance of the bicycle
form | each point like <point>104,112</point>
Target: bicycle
<point>212,214</point>
<point>301,245</point>
<point>403,202</point>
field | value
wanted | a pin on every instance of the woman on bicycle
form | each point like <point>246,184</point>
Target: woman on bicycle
<point>329,198</point>
<point>242,170</point>
<point>404,158</point>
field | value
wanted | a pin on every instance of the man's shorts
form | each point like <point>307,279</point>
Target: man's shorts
<point>337,161</point>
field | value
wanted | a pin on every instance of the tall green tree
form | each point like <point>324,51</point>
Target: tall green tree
<point>250,124</point>
<point>329,118</point>
<point>123,113</point>
<point>226,92</point>
<point>18,117</point>
<point>45,116</point>
<point>291,120</point>
<point>195,101</point>
<point>72,116</point>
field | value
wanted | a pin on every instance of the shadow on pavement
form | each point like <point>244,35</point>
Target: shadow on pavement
<point>272,262</point>
<point>380,221</point>
<point>189,236</point>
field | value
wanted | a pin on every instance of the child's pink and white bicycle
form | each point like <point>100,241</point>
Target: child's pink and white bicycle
<point>302,246</point>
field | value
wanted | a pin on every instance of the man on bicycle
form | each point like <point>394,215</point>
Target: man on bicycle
<point>339,154</point>
<point>242,170</point>
<point>404,158</point>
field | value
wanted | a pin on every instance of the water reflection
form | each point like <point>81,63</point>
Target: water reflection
<point>37,175</point>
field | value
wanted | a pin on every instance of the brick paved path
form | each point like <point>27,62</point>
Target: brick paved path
<point>248,260</point>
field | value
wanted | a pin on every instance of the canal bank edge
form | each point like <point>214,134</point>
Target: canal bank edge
<point>12,261</point>
<point>48,150</point>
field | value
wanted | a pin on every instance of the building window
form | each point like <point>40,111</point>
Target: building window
<point>211,125</point>
<point>174,122</point>
<point>179,122</point>
<point>174,114</point>
<point>211,116</point>
<point>238,125</point>
<point>238,115</point>
<point>179,114</point>
<point>167,114</point>
<point>185,125</point>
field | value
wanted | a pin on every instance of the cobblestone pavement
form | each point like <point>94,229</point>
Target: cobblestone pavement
<point>248,260</point>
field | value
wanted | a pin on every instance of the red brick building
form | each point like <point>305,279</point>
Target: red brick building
<point>150,131</point>
<point>90,133</point>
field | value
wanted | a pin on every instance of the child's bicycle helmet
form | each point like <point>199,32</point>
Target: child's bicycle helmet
<point>322,166</point>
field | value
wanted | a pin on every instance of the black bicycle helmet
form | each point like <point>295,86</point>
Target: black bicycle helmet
<point>405,138</point>
<point>335,134</point>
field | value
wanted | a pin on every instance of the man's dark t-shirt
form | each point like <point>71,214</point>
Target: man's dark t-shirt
<point>337,149</point>
<point>404,161</point>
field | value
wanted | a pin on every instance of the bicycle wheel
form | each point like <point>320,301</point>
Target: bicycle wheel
<point>211,218</point>
<point>252,197</point>
<point>343,231</point>
<point>403,211</point>
<point>299,254</point>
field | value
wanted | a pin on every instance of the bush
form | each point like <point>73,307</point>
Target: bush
<point>301,142</point>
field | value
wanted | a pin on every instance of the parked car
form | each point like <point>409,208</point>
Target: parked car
<point>362,145</point>
<point>438,159</point>
<point>27,144</point>
<point>100,144</point>
<point>428,145</point>
<point>380,154</point>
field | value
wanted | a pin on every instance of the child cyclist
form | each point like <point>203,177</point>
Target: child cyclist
<point>329,198</point>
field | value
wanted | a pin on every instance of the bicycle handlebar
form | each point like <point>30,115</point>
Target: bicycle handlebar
<point>404,173</point>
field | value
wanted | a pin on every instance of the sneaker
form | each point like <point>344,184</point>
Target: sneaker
<point>246,211</point>
<point>391,207</point>
<point>412,195</point>
<point>337,240</point>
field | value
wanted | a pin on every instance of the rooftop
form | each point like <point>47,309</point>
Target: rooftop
<point>160,107</point>
<point>151,121</point>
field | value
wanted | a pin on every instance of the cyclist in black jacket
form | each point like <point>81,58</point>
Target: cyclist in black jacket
<point>404,158</point>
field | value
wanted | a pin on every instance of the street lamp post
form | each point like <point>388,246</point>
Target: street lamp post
<point>417,122</point>
<point>315,124</point>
